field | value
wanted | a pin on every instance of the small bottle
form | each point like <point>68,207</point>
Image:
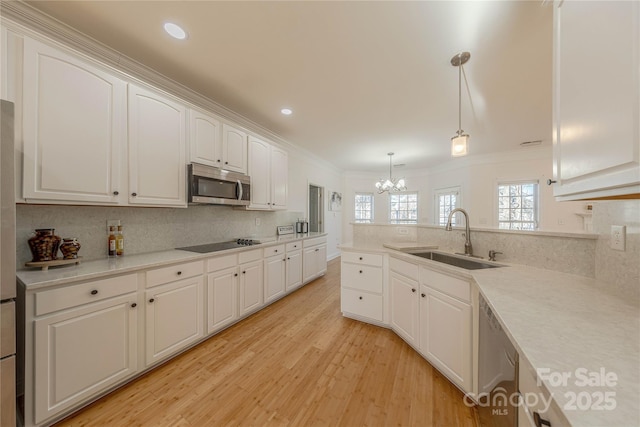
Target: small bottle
<point>119,242</point>
<point>112,241</point>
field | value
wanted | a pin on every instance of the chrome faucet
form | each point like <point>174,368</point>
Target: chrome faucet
<point>468,249</point>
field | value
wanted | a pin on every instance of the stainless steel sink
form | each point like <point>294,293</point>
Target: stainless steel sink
<point>456,261</point>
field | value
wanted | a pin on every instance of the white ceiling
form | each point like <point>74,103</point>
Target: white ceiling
<point>363,78</point>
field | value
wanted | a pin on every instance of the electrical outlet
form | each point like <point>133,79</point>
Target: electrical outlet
<point>258,222</point>
<point>403,231</point>
<point>618,237</point>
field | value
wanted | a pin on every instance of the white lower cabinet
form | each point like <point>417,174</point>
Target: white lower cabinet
<point>404,307</point>
<point>81,346</point>
<point>445,335</point>
<point>533,400</point>
<point>222,292</point>
<point>294,266</point>
<point>362,286</point>
<point>174,317</point>
<point>251,282</point>
<point>274,273</point>
<point>446,325</point>
<point>314,258</point>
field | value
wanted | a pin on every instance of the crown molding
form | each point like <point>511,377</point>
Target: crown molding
<point>27,20</point>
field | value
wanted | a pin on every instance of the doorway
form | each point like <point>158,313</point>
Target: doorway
<point>316,208</point>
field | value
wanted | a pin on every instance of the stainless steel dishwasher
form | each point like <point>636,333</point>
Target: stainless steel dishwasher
<point>497,373</point>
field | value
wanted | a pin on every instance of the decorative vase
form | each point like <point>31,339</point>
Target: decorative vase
<point>70,247</point>
<point>44,245</point>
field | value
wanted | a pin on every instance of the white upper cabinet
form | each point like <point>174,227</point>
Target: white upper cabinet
<point>234,149</point>
<point>157,146</point>
<point>74,127</point>
<point>205,139</point>
<point>596,99</point>
<point>268,169</point>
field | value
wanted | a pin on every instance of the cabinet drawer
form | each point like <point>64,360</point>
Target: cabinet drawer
<point>313,242</point>
<point>405,268</point>
<point>248,256</point>
<point>71,296</point>
<point>222,262</point>
<point>364,277</point>
<point>361,303</point>
<point>160,276</point>
<point>294,246</point>
<point>362,258</point>
<point>452,286</point>
<point>274,250</point>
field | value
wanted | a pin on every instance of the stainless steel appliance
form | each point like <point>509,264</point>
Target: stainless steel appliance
<point>213,186</point>
<point>497,373</point>
<point>7,269</point>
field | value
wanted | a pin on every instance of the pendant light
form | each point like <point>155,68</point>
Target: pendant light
<point>459,143</point>
<point>390,184</point>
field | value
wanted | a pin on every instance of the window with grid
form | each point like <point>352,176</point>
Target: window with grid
<point>518,205</point>
<point>403,208</point>
<point>446,200</point>
<point>364,207</point>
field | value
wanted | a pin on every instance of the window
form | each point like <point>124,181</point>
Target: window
<point>518,205</point>
<point>446,200</point>
<point>403,208</point>
<point>364,207</point>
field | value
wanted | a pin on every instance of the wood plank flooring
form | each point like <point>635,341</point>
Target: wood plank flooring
<point>297,362</point>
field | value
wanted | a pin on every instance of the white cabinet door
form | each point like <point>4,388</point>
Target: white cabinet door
<point>314,262</point>
<point>259,171</point>
<point>404,307</point>
<point>81,352</point>
<point>279,178</point>
<point>74,128</point>
<point>174,317</point>
<point>222,299</point>
<point>448,348</point>
<point>294,270</point>
<point>205,139</point>
<point>157,150</point>
<point>251,281</point>
<point>596,99</point>
<point>234,149</point>
<point>274,277</point>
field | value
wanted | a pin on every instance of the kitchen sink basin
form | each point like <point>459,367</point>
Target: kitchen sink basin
<point>456,261</point>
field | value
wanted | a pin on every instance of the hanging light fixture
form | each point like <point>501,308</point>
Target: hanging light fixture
<point>459,143</point>
<point>390,184</point>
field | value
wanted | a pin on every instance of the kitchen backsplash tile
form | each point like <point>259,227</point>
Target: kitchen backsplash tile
<point>619,271</point>
<point>145,229</point>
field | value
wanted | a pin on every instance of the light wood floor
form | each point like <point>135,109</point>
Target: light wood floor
<point>297,362</point>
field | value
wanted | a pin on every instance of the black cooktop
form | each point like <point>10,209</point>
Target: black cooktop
<point>219,246</point>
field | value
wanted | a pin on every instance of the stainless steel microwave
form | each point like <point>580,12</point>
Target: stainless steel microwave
<point>213,186</point>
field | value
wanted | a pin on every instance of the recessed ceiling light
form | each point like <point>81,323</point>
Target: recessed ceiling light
<point>175,31</point>
<point>286,111</point>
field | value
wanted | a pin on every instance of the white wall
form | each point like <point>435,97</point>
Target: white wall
<point>477,177</point>
<point>304,169</point>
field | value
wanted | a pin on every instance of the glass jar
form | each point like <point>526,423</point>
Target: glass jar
<point>44,245</point>
<point>70,247</point>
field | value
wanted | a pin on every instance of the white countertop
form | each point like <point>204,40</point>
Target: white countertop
<point>562,322</point>
<point>33,279</point>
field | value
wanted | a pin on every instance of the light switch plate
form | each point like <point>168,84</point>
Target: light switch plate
<point>618,237</point>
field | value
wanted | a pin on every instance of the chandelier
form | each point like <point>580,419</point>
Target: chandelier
<point>459,143</point>
<point>390,184</point>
